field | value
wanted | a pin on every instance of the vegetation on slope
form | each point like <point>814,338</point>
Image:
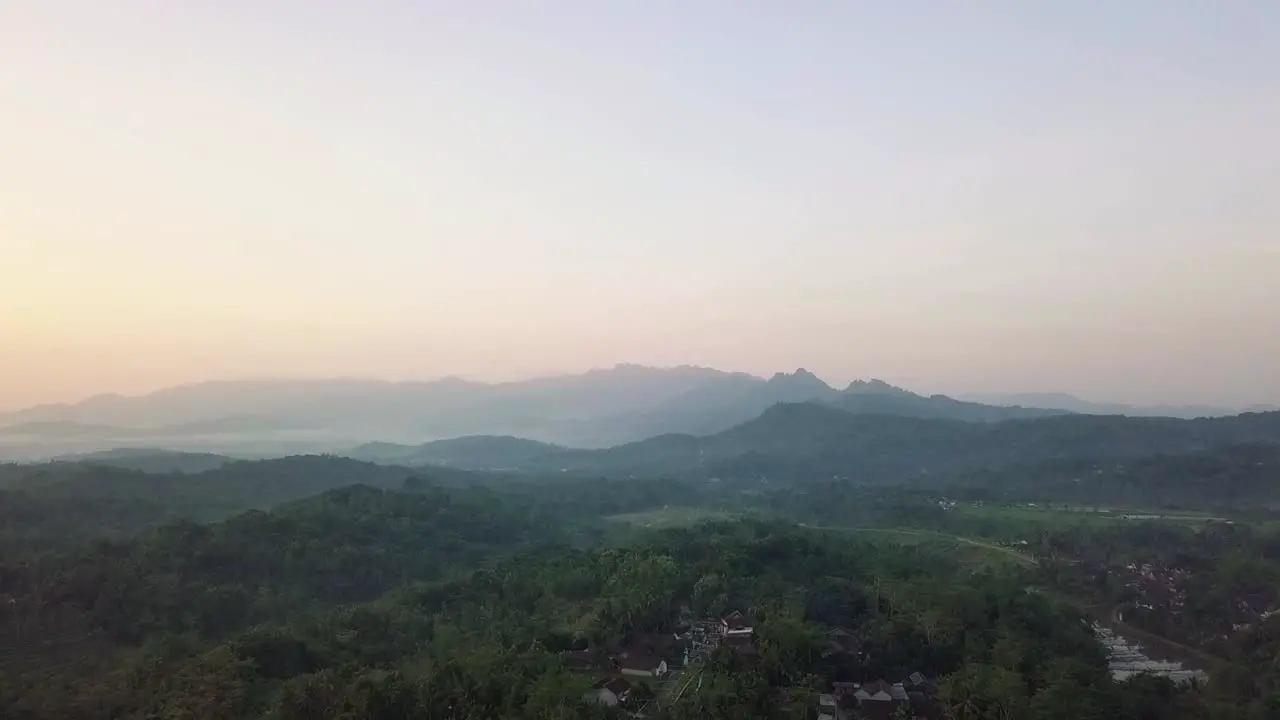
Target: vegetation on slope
<point>252,618</point>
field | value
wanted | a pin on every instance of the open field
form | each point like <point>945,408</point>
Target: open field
<point>671,517</point>
<point>973,551</point>
<point>1062,515</point>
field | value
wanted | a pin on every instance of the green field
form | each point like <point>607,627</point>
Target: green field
<point>1057,515</point>
<point>671,517</point>
<point>970,550</point>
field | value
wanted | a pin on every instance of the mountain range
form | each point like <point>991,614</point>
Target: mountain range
<point>1071,403</point>
<point>812,441</point>
<point>598,409</point>
<point>1085,456</point>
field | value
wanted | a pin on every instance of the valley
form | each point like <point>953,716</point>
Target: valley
<point>905,564</point>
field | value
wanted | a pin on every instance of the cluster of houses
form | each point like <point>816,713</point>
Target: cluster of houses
<point>1251,609</point>
<point>880,699</point>
<point>875,698</point>
<point>653,656</point>
<point>1158,587</point>
<point>657,654</point>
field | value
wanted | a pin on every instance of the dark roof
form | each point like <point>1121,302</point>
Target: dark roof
<point>844,689</point>
<point>923,706</point>
<point>876,711</point>
<point>639,659</point>
<point>877,686</point>
<point>736,620</point>
<point>918,681</point>
<point>615,685</point>
<point>665,645</point>
<point>1257,602</point>
<point>740,643</point>
<point>579,658</point>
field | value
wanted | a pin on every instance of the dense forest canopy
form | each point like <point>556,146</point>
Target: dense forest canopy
<point>435,603</point>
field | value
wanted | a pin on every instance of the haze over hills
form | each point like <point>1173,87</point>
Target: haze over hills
<point>150,460</point>
<point>805,441</point>
<point>1071,403</point>
<point>600,408</point>
<point>473,452</point>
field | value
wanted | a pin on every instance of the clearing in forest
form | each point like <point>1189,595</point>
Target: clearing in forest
<point>977,551</point>
<point>1063,515</point>
<point>670,517</point>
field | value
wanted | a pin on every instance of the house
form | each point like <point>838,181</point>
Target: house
<point>641,663</point>
<point>828,709</point>
<point>735,623</point>
<point>743,644</point>
<point>879,699</point>
<point>609,692</point>
<point>672,647</point>
<point>844,690</point>
<point>875,691</point>
<point>924,706</point>
<point>580,660</point>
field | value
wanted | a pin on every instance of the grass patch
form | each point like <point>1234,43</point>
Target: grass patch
<point>671,517</point>
<point>969,550</point>
<point>1075,516</point>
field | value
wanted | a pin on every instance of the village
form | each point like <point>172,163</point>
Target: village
<point>653,670</point>
<point>1157,587</point>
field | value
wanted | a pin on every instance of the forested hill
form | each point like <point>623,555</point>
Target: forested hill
<point>457,602</point>
<point>192,584</point>
<point>345,545</point>
<point>1235,477</point>
<point>807,440</point>
<point>478,452</point>
<point>881,399</point>
<point>238,486</point>
<point>61,504</point>
<point>253,618</point>
<point>152,460</point>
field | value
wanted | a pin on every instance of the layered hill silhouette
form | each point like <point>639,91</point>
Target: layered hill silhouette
<point>474,452</point>
<point>600,408</point>
<point>150,460</point>
<point>804,441</point>
<point>1071,403</point>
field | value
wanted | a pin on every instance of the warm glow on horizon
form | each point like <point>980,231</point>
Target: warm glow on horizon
<point>955,199</point>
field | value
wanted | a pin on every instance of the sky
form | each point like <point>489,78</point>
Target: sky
<point>958,197</point>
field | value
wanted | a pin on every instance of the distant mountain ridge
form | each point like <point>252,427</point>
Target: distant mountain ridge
<point>1071,403</point>
<point>876,397</point>
<point>812,441</point>
<point>599,408</point>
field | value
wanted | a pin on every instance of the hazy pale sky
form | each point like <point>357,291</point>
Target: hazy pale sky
<point>956,196</point>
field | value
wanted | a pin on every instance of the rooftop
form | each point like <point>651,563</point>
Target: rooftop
<point>639,659</point>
